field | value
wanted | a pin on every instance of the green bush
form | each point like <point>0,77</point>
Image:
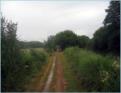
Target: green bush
<point>33,60</point>
<point>94,72</point>
<point>31,63</point>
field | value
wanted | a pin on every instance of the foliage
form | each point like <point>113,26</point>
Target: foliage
<point>94,72</point>
<point>33,61</point>
<point>71,82</point>
<point>107,38</point>
<point>113,16</point>
<point>100,42</point>
<point>83,41</point>
<point>17,67</point>
<point>31,44</point>
<point>50,44</point>
<point>10,64</point>
<point>66,39</point>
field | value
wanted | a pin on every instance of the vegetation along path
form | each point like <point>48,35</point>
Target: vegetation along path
<point>37,84</point>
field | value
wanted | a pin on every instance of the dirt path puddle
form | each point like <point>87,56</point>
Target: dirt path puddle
<point>50,76</point>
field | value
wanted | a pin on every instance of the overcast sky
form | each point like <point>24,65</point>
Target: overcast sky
<point>39,19</point>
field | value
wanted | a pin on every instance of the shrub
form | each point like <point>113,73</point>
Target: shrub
<point>94,72</point>
<point>33,60</point>
<point>30,65</point>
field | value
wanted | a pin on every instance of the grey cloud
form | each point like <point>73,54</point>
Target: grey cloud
<point>39,19</point>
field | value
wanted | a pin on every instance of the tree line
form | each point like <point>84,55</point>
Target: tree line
<point>30,44</point>
<point>106,39</point>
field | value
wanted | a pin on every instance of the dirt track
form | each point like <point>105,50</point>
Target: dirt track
<point>50,79</point>
<point>59,75</point>
<point>50,76</point>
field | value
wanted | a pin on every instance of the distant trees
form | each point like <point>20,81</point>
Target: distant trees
<point>65,39</point>
<point>107,38</point>
<point>50,43</point>
<point>31,44</point>
<point>100,40</point>
<point>83,41</point>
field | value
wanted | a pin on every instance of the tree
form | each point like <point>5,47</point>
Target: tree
<point>31,44</point>
<point>100,40</point>
<point>112,22</point>
<point>107,38</point>
<point>66,39</point>
<point>10,64</point>
<point>83,41</point>
<point>50,43</point>
<point>113,16</point>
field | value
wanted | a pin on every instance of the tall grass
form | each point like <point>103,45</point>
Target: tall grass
<point>32,61</point>
<point>94,72</point>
